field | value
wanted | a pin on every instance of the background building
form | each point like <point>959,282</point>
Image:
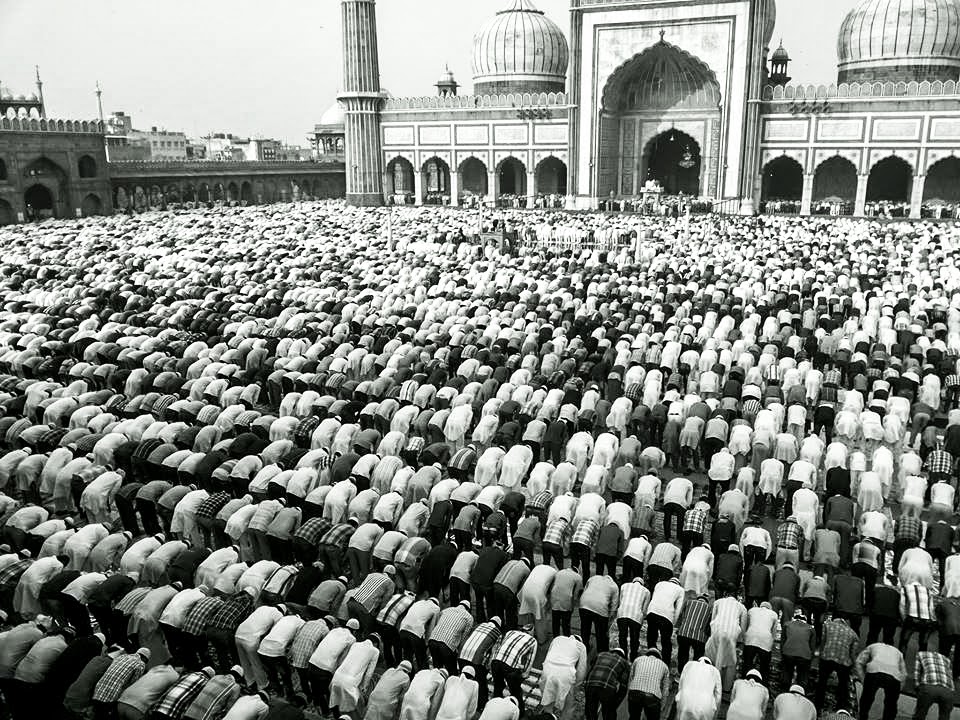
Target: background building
<point>126,143</point>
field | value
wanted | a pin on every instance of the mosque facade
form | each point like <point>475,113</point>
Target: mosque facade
<point>662,98</point>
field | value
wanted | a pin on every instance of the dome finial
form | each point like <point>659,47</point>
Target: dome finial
<point>662,33</point>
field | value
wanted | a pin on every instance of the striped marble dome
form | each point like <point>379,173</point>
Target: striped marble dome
<point>900,40</point>
<point>519,50</point>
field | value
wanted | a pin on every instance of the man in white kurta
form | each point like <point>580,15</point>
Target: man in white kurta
<point>564,666</point>
<point>353,678</point>
<point>460,695</point>
<point>697,570</point>
<point>699,691</point>
<point>422,699</point>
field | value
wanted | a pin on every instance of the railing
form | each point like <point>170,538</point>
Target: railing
<point>852,91</point>
<point>780,207</point>
<point>727,206</point>
<point>48,125</point>
<point>834,208</point>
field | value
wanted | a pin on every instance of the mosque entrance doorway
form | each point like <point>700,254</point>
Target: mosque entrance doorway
<point>551,177</point>
<point>39,202</point>
<point>660,119</point>
<point>890,181</point>
<point>399,180</point>
<point>511,178</point>
<point>782,186</point>
<point>672,158</point>
<point>435,175</point>
<point>473,177</point>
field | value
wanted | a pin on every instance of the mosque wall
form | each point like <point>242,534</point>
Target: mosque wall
<point>491,136</point>
<point>68,168</point>
<point>607,37</point>
<point>865,138</point>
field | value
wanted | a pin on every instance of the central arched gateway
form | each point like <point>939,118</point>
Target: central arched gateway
<point>660,118</point>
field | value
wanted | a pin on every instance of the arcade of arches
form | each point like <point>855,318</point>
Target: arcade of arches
<point>256,190</point>
<point>436,183</point>
<point>660,121</point>
<point>835,183</point>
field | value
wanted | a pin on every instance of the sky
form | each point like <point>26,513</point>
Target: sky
<point>270,69</point>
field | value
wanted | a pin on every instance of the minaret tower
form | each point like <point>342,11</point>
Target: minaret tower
<point>361,99</point>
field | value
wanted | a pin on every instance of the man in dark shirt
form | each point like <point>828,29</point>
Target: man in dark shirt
<point>884,606</point>
<point>849,598</point>
<point>489,562</point>
<point>838,482</point>
<point>939,543</point>
<point>438,523</point>
<point>757,585</point>
<point>512,506</point>
<point>555,441</point>
<point>434,573</point>
<point>727,571</point>
<point>100,602</point>
<point>838,514</point>
<point>784,590</point>
<point>183,568</point>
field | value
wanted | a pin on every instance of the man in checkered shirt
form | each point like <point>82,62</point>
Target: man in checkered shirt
<point>181,694</point>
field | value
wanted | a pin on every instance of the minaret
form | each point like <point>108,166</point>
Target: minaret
<point>99,93</point>
<point>361,100</point>
<point>43,107</point>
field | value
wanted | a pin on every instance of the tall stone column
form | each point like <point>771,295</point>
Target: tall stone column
<point>916,196</point>
<point>861,201</point>
<point>361,101</point>
<point>417,187</point>
<point>493,189</point>
<point>531,189</point>
<point>455,187</point>
<point>749,159</point>
<point>806,200</point>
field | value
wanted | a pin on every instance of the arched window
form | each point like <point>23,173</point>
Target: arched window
<point>87,167</point>
<point>3,169</point>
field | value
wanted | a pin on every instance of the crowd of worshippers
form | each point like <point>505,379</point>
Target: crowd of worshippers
<point>259,462</point>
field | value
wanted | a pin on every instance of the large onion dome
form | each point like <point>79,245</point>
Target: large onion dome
<point>519,50</point>
<point>900,40</point>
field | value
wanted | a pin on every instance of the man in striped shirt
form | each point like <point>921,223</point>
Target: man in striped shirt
<point>477,649</point>
<point>364,601</point>
<point>451,629</point>
<point>648,686</point>
<point>917,611</point>
<point>512,661</point>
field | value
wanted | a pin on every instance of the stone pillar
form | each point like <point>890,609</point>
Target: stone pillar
<point>750,180</point>
<point>916,196</point>
<point>493,189</point>
<point>531,189</point>
<point>417,187</point>
<point>361,100</point>
<point>455,187</point>
<point>861,201</point>
<point>806,200</point>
